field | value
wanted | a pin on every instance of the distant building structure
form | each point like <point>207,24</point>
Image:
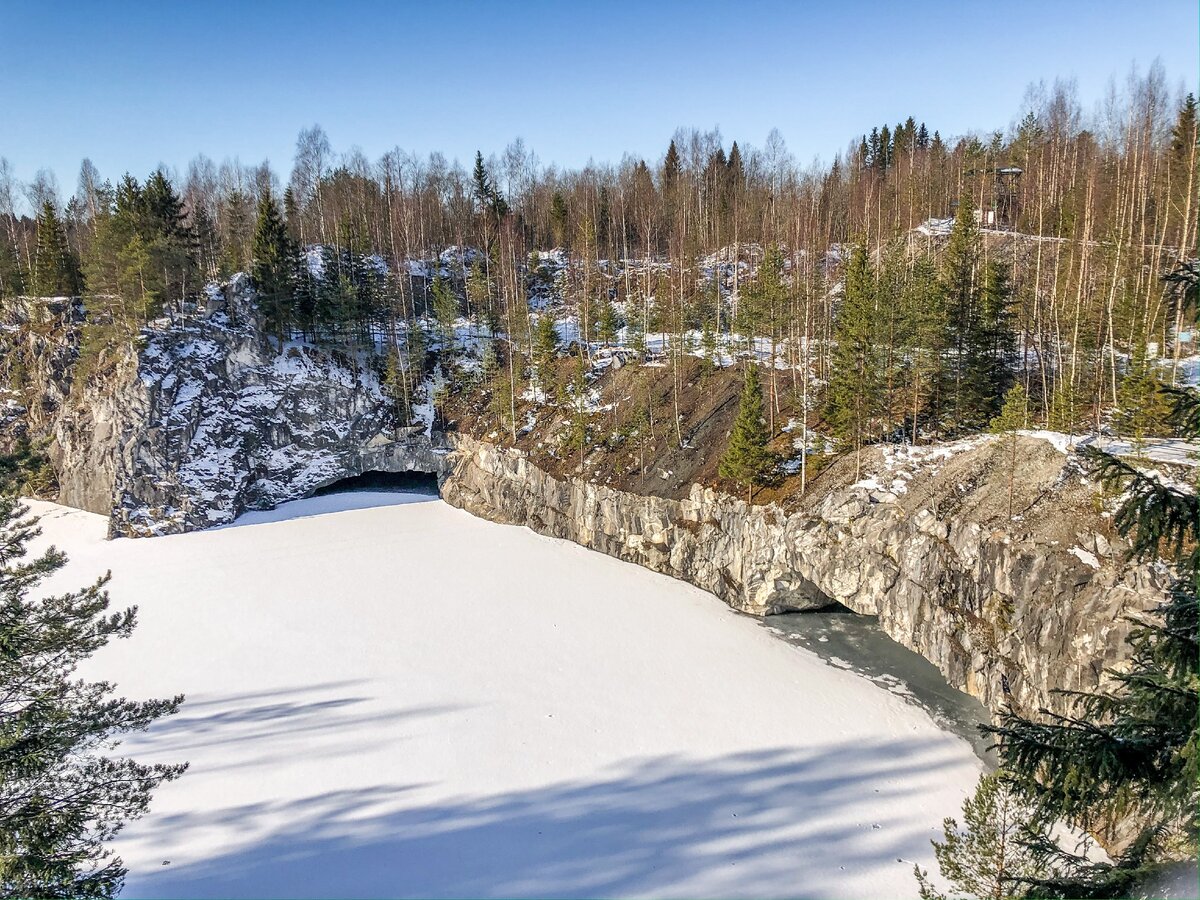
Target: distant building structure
<point>1008,196</point>
<point>1005,206</point>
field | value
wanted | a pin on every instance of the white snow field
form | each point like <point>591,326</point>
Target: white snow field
<point>389,697</point>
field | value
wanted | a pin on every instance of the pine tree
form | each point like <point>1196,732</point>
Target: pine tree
<point>142,255</point>
<point>273,267</point>
<point>985,858</point>
<point>55,269</point>
<point>747,459</point>
<point>61,798</point>
<point>416,347</point>
<point>137,281</point>
<point>854,380</point>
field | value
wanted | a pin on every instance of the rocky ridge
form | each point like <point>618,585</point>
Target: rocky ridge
<point>210,418</point>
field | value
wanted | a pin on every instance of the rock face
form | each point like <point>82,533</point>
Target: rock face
<point>1007,620</point>
<point>209,419</point>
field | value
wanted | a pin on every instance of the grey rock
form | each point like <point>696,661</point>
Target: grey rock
<point>210,418</point>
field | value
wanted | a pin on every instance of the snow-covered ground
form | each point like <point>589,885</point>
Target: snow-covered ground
<point>389,697</point>
<point>1168,450</point>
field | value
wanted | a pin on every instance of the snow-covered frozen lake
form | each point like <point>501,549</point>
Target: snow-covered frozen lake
<point>389,697</point>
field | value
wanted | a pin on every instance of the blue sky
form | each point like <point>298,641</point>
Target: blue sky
<point>133,85</point>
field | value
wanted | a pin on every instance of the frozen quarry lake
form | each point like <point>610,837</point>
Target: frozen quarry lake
<point>389,697</point>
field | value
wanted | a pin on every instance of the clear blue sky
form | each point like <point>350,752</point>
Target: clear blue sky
<point>133,85</point>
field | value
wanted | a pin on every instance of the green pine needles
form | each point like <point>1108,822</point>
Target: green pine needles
<point>61,797</point>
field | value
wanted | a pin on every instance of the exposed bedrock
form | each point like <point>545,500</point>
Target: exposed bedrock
<point>1005,618</point>
<point>210,418</point>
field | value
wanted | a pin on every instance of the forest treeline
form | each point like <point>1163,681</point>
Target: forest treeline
<point>1052,275</point>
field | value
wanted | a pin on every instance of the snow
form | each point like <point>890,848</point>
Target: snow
<point>1085,556</point>
<point>941,227</point>
<point>904,461</point>
<point>404,700</point>
<point>1175,451</point>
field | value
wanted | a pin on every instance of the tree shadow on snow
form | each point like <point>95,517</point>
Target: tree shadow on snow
<point>320,720</point>
<point>770,823</point>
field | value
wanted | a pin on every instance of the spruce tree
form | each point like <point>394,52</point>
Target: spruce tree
<point>558,219</point>
<point>1142,408</point>
<point>671,166</point>
<point>489,363</point>
<point>55,269</point>
<point>708,346</point>
<point>395,385</point>
<point>1128,751</point>
<point>1183,135</point>
<point>608,324</point>
<point>854,380</point>
<point>483,184</point>
<point>545,351</point>
<point>486,194</point>
<point>763,299</point>
<point>959,280</point>
<point>575,438</point>
<point>737,169</point>
<point>273,267</point>
<point>291,213</point>
<point>12,276</point>
<point>445,309</point>
<point>747,459</point>
<point>990,342</point>
<point>480,301</point>
<point>925,345</point>
<point>61,798</point>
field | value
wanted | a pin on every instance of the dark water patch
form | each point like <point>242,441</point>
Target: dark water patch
<point>856,643</point>
<point>388,482</point>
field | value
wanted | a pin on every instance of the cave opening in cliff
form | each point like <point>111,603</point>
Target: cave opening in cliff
<point>387,482</point>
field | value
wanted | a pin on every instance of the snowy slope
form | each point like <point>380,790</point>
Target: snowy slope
<point>405,700</point>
